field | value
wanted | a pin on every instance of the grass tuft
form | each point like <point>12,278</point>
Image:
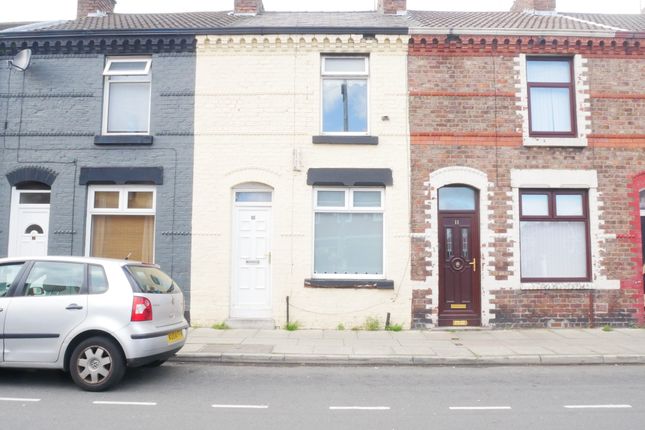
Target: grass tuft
<point>394,327</point>
<point>372,324</point>
<point>292,326</point>
<point>220,326</point>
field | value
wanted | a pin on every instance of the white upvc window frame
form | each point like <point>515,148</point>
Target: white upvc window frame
<point>347,207</point>
<point>124,76</point>
<point>639,199</point>
<point>123,209</point>
<point>325,75</point>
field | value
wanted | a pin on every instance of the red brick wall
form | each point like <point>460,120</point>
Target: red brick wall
<point>391,6</point>
<point>463,112</point>
<point>420,315</point>
<point>248,6</point>
<point>85,7</point>
<point>565,308</point>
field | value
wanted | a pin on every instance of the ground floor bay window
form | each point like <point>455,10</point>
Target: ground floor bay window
<point>554,235</point>
<point>121,222</point>
<point>348,233</point>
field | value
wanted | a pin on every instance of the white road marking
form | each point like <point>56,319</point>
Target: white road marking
<point>597,406</point>
<point>241,406</point>
<point>17,399</point>
<point>100,402</point>
<point>479,408</point>
<point>359,408</point>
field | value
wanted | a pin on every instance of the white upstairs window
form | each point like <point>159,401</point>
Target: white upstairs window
<point>126,100</point>
<point>345,95</point>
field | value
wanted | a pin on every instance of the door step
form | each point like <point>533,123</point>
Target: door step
<point>462,328</point>
<point>261,323</point>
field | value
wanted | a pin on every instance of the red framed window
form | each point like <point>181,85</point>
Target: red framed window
<point>551,96</point>
<point>554,236</point>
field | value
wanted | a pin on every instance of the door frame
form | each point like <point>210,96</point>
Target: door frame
<point>234,311</point>
<point>14,208</point>
<point>474,318</point>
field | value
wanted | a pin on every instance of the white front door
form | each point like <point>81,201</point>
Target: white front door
<point>251,290</point>
<point>29,223</point>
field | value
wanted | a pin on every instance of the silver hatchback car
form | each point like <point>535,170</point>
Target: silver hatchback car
<point>92,317</point>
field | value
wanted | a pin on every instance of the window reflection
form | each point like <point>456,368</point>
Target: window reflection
<point>456,199</point>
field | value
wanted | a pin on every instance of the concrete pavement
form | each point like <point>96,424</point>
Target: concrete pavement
<point>434,347</point>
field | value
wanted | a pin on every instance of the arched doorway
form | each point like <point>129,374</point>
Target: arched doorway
<point>459,271</point>
<point>29,219</point>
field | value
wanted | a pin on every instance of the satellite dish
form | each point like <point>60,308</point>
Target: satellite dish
<point>21,60</point>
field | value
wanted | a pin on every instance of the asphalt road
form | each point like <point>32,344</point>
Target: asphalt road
<point>201,396</point>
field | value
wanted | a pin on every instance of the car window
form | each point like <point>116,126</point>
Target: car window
<point>98,282</point>
<point>152,280</point>
<point>8,273</point>
<point>52,278</point>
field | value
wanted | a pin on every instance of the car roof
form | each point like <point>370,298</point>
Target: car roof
<point>72,259</point>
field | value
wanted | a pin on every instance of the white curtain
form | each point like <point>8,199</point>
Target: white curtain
<point>348,243</point>
<point>129,107</point>
<point>550,110</point>
<point>553,249</point>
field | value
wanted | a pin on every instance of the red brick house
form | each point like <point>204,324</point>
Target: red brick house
<point>527,161</point>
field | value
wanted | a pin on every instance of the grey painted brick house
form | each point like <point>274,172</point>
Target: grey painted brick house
<point>97,143</point>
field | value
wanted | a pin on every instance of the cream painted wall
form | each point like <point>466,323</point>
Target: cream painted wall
<point>257,108</point>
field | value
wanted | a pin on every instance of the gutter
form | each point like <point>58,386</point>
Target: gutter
<point>232,31</point>
<point>511,32</point>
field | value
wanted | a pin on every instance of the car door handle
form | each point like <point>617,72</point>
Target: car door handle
<point>74,307</point>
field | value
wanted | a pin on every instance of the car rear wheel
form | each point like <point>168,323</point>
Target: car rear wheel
<point>96,364</point>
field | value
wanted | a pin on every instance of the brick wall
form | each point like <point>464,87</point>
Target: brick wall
<point>565,308</point>
<point>248,6</point>
<point>521,5</point>
<point>254,124</point>
<point>54,112</point>
<point>391,6</point>
<point>463,112</point>
<point>86,7</point>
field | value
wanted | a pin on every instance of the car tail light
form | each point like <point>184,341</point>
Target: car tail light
<point>141,309</point>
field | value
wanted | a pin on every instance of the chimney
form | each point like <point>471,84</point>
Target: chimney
<point>392,7</point>
<point>248,7</point>
<point>533,5</point>
<point>94,7</point>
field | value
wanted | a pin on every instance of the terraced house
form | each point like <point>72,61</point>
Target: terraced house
<point>527,133</point>
<point>97,148</point>
<point>301,186</point>
<point>442,168</point>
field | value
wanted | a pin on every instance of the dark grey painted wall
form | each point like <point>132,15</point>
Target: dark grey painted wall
<point>54,110</point>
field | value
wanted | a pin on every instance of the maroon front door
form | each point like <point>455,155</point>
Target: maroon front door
<point>459,269</point>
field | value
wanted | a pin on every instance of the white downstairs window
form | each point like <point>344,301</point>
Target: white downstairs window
<point>126,99</point>
<point>121,222</point>
<point>348,233</point>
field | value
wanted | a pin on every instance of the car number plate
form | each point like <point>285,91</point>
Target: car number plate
<point>175,336</point>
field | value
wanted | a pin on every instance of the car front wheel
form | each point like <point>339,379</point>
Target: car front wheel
<point>96,364</point>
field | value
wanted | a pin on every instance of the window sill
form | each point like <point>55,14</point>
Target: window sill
<point>126,139</point>
<point>363,284</point>
<point>345,140</point>
<point>576,142</point>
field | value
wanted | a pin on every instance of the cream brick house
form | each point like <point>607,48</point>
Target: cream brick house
<point>301,175</point>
